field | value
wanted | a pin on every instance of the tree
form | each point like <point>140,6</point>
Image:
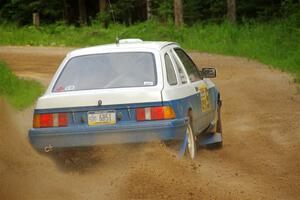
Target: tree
<point>231,11</point>
<point>178,12</point>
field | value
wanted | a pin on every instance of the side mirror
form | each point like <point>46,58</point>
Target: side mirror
<point>208,72</point>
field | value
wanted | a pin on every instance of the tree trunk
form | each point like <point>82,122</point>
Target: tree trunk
<point>148,3</point>
<point>102,5</point>
<point>231,11</point>
<point>178,12</point>
<point>36,19</point>
<point>82,13</point>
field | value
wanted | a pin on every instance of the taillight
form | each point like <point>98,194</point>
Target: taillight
<point>62,119</point>
<point>140,114</point>
<point>155,113</point>
<point>50,120</point>
<point>46,120</point>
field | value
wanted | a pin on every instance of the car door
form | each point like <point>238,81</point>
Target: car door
<point>177,91</point>
<point>201,87</point>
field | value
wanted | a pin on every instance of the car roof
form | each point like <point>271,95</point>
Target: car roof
<point>124,44</point>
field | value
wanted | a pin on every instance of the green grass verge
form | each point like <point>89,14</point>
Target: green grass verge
<point>19,92</point>
<point>275,43</point>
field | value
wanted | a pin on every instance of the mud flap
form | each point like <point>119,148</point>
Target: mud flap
<point>183,147</point>
<point>209,138</point>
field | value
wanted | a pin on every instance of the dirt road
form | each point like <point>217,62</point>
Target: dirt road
<point>260,158</point>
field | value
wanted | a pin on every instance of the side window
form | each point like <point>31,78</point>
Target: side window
<point>189,65</point>
<point>171,76</point>
<point>181,73</point>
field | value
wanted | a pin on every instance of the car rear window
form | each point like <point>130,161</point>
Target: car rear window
<point>109,70</point>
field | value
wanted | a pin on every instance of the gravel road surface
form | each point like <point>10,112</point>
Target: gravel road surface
<point>260,158</point>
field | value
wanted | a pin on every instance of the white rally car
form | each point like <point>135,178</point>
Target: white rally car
<point>128,92</point>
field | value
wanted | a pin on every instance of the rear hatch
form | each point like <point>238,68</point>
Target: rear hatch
<point>103,89</point>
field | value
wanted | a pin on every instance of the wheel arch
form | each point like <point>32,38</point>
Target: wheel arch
<point>189,111</point>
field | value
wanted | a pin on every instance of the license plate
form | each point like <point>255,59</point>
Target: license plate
<point>101,117</point>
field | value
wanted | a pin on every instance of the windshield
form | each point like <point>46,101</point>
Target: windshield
<point>109,70</point>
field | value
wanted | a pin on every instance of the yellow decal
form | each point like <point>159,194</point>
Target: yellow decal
<point>205,105</point>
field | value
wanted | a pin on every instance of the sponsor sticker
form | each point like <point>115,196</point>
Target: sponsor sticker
<point>70,87</point>
<point>147,83</point>
<point>205,104</point>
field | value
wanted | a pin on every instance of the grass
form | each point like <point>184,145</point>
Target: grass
<point>275,43</point>
<point>19,92</point>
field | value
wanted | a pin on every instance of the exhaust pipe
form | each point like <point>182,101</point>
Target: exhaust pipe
<point>48,148</point>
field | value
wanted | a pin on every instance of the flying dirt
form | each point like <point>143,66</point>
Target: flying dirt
<point>260,157</point>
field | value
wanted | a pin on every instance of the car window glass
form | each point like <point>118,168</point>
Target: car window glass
<point>181,73</point>
<point>171,76</point>
<point>109,70</point>
<point>189,65</point>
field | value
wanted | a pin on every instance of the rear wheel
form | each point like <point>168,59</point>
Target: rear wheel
<point>191,145</point>
<point>176,145</point>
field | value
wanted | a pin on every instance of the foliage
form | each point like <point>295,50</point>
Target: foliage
<point>133,11</point>
<point>19,92</point>
<point>20,11</point>
<point>163,10</point>
<point>204,10</point>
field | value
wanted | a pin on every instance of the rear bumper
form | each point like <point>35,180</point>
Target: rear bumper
<point>114,134</point>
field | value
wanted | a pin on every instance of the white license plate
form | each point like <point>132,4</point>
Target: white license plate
<point>101,117</point>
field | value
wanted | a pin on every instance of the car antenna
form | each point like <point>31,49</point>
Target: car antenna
<point>114,20</point>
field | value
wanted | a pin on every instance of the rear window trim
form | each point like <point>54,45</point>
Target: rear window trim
<point>197,70</point>
<point>64,67</point>
<point>173,67</point>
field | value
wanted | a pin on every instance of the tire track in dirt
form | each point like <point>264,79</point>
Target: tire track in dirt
<point>260,158</point>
